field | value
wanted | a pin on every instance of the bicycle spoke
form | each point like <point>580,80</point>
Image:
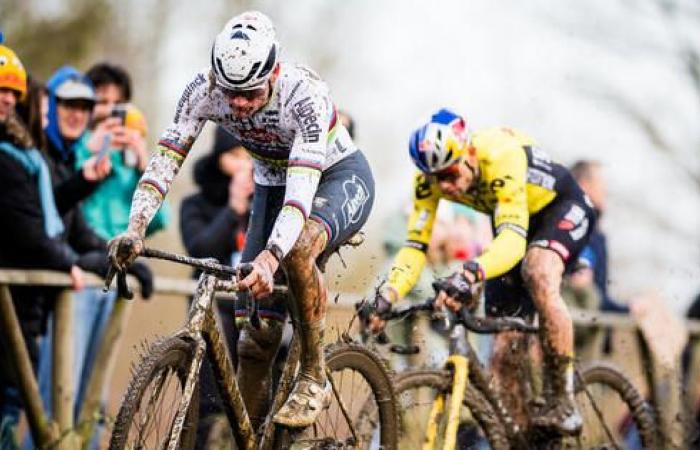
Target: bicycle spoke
<point>342,422</point>
<point>153,425</point>
<point>600,407</point>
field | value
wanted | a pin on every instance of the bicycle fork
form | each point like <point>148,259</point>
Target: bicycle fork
<point>459,366</point>
<point>190,384</point>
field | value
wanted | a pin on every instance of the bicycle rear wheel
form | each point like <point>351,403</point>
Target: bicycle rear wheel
<point>150,404</point>
<point>416,392</point>
<point>615,415</point>
<point>362,413</point>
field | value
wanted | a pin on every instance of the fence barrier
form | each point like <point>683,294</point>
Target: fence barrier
<point>663,384</point>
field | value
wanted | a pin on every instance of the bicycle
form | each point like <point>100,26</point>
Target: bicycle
<point>432,401</point>
<point>160,406</point>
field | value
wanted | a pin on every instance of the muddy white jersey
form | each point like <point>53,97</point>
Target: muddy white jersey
<point>293,138</point>
<point>298,123</point>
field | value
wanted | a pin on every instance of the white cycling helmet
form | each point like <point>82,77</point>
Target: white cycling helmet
<point>245,52</point>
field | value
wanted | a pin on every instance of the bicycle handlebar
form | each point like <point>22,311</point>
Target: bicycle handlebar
<point>207,265</point>
<point>481,325</point>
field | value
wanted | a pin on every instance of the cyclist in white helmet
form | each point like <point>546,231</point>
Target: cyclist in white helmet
<point>313,190</point>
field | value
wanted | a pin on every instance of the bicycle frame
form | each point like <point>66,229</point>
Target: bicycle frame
<point>201,328</point>
<point>465,367</point>
<point>459,365</point>
<point>202,331</point>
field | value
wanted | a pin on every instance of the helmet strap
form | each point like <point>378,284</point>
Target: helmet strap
<point>472,169</point>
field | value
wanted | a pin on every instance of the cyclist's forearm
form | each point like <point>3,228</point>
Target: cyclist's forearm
<point>302,182</point>
<point>153,187</point>
<point>503,253</point>
<point>406,270</point>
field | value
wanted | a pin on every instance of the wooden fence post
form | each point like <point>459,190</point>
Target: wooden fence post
<point>42,431</point>
<point>62,396</point>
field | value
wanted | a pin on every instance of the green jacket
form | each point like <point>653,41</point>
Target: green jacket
<point>107,209</point>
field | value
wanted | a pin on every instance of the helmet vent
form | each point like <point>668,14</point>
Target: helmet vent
<point>240,35</point>
<point>434,158</point>
<point>270,62</point>
<point>448,157</point>
<point>439,134</point>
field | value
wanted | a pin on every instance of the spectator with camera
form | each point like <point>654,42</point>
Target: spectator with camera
<point>118,134</point>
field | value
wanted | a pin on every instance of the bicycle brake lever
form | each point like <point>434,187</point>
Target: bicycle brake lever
<point>111,272</point>
<point>255,319</point>
<point>123,287</point>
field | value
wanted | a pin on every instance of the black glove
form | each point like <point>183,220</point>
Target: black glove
<point>95,262</point>
<point>382,305</point>
<point>458,287</point>
<point>145,277</point>
<point>366,309</point>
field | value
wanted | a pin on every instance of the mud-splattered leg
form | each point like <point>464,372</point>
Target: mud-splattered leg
<point>542,271</point>
<point>311,390</point>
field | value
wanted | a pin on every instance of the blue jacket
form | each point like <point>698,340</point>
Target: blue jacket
<point>52,130</point>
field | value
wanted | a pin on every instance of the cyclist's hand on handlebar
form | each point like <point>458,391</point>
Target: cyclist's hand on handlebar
<point>461,289</point>
<point>124,249</point>
<point>376,310</point>
<point>261,280</point>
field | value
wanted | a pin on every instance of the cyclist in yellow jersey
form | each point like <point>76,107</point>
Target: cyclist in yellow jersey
<point>541,220</point>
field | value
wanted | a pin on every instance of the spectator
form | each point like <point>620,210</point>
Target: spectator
<point>32,233</point>
<point>213,224</point>
<point>589,175</point>
<point>107,209</point>
<point>71,99</point>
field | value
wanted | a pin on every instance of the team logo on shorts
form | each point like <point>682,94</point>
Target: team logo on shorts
<point>356,195</point>
<point>575,222</point>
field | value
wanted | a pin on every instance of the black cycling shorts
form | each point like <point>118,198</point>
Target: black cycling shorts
<point>563,226</point>
<point>342,204</point>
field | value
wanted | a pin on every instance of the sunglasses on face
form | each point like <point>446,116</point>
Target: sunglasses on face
<point>250,94</point>
<point>449,173</point>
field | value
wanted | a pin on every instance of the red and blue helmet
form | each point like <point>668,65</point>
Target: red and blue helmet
<point>439,143</point>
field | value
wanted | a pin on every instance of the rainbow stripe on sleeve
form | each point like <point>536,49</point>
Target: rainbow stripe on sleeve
<point>295,205</point>
<point>173,149</point>
<point>153,186</point>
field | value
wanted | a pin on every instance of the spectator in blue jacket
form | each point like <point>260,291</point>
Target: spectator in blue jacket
<point>589,175</point>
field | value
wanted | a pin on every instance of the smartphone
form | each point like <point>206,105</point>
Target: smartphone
<point>104,148</point>
<point>119,111</point>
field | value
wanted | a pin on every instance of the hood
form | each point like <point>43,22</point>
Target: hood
<point>58,79</point>
<point>207,174</point>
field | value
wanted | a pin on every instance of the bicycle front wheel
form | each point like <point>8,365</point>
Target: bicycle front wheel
<point>416,392</point>
<point>150,405</point>
<point>362,413</point>
<point>615,415</point>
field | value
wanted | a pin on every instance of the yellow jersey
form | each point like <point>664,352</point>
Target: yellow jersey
<point>515,180</point>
